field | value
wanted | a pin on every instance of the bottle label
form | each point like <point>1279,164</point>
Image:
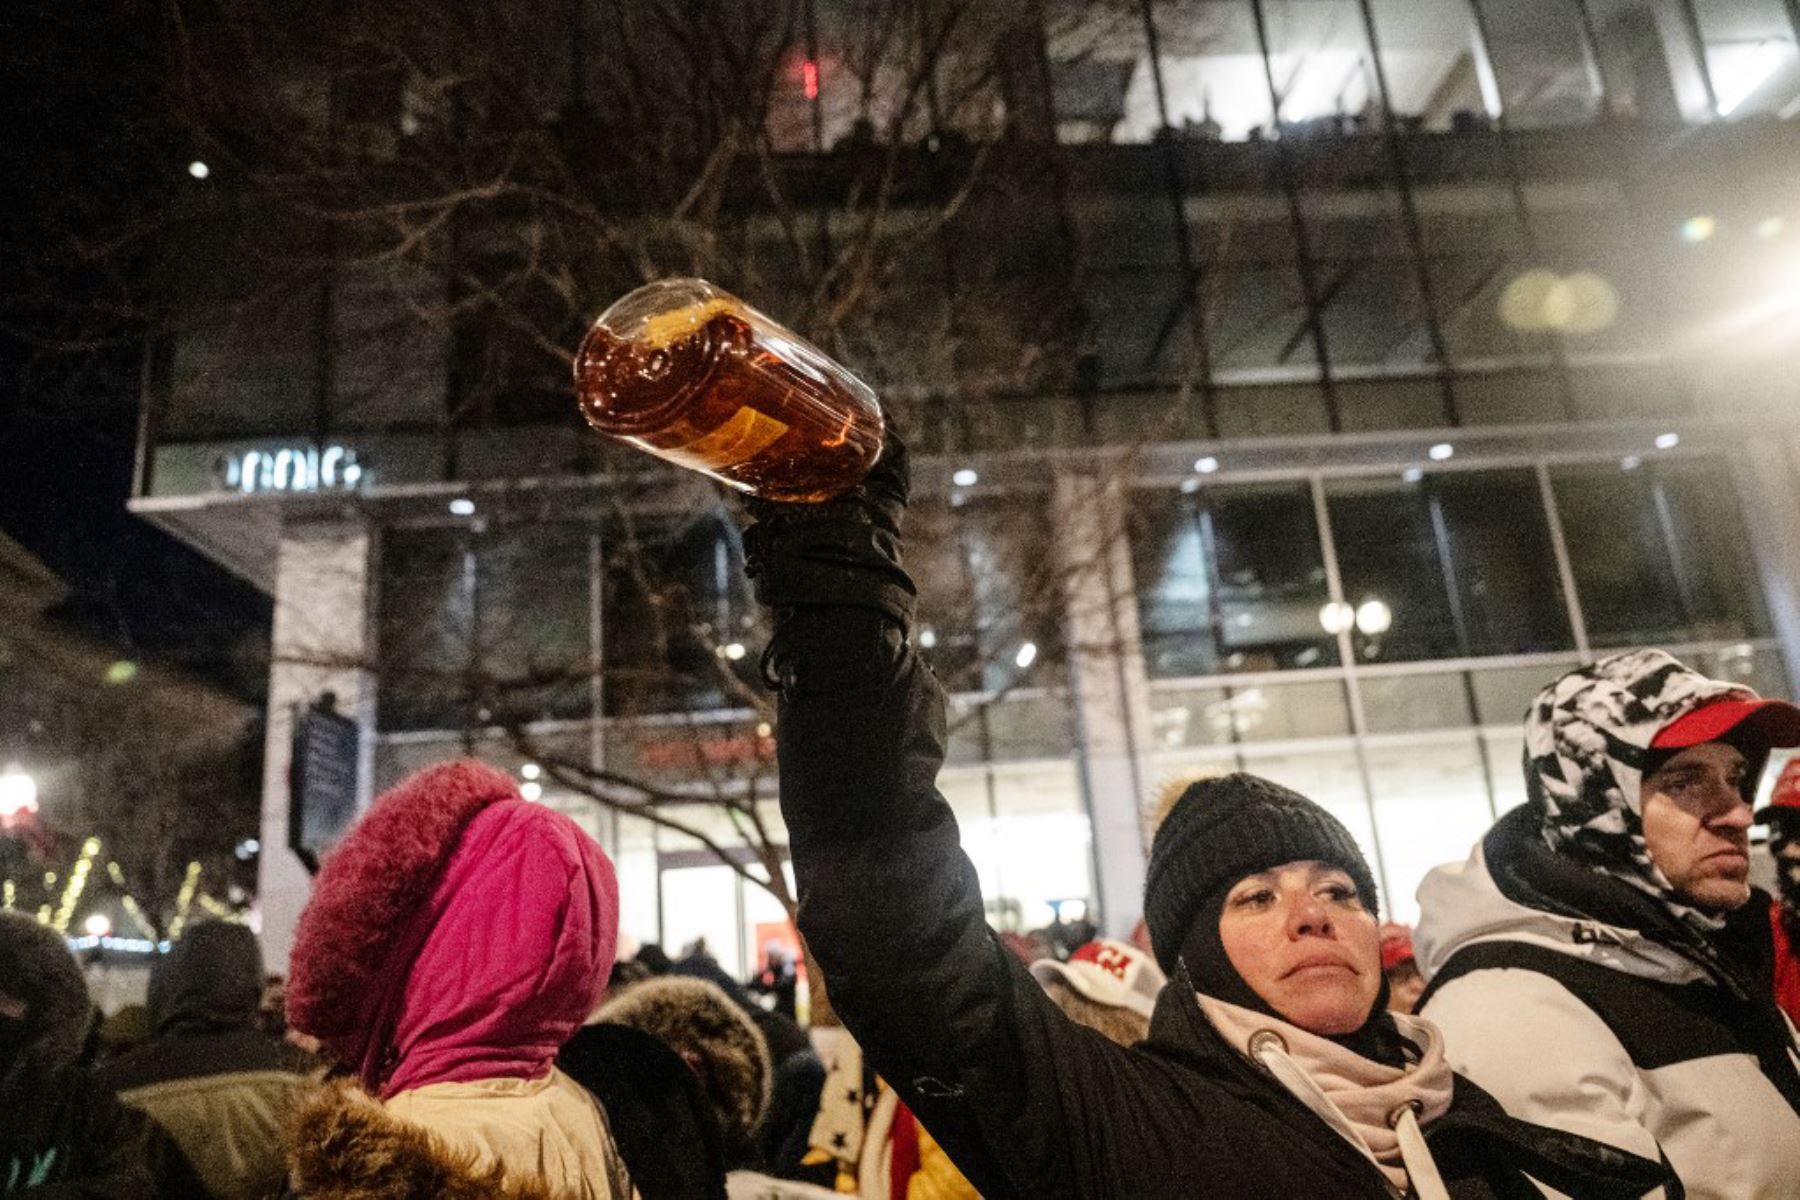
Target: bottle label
<point>745,435</point>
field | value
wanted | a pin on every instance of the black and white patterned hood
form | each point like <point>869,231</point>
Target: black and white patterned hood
<point>1587,745</point>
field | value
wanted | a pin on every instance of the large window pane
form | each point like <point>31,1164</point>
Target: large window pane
<point>1413,702</point>
<point>1191,717</point>
<point>1025,829</point>
<point>1541,65</point>
<point>1648,61</point>
<point>1505,582</point>
<point>990,597</point>
<point>1454,564</point>
<point>1716,573</point>
<point>1324,73</point>
<point>1229,579</point>
<point>1100,74</point>
<point>1434,63</point>
<point>1602,285</point>
<point>1212,71</point>
<point>1393,573</point>
<point>1431,806</point>
<point>533,652</point>
<point>426,624</point>
<point>1134,291</point>
<point>1659,553</point>
<point>1251,293</point>
<point>1750,53</point>
<point>1476,245</point>
<point>1019,725</point>
<point>681,630</point>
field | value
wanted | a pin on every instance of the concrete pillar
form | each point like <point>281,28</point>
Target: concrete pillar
<point>323,640</point>
<point>1770,494</point>
<point>1111,695</point>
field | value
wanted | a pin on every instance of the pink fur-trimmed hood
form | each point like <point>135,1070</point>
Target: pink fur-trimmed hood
<point>458,932</point>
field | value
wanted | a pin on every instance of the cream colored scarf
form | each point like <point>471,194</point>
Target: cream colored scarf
<point>1378,1109</point>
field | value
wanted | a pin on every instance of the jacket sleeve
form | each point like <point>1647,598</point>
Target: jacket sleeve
<point>890,905</point>
<point>1544,1055</point>
<point>120,1154</point>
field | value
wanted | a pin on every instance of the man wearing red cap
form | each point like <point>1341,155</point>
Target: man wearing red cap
<point>1599,962</point>
<point>1782,816</point>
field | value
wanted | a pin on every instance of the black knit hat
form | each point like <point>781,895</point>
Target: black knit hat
<point>1221,830</point>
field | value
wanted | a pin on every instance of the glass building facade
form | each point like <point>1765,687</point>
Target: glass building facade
<point>1425,349</point>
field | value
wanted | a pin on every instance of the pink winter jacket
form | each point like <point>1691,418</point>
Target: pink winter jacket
<point>458,933</point>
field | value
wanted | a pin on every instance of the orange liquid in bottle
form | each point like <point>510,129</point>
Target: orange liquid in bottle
<point>752,406</point>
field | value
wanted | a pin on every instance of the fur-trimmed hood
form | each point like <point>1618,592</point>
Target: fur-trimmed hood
<point>344,1146</point>
<point>717,1038</point>
<point>458,932</point>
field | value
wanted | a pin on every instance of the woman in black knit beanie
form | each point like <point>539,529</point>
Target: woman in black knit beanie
<point>1271,1069</point>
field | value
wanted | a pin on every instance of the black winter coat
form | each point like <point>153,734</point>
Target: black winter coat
<point>1025,1101</point>
<point>64,1135</point>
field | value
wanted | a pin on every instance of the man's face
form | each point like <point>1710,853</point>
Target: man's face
<point>1405,986</point>
<point>1697,825</point>
<point>1787,868</point>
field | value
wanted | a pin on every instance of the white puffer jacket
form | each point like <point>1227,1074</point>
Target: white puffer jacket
<point>1594,1028</point>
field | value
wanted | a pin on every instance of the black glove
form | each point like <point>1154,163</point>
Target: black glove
<point>842,553</point>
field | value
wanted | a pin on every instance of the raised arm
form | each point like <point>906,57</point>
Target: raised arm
<point>889,903</point>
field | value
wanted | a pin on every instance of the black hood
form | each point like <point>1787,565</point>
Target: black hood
<point>36,967</point>
<point>209,982</point>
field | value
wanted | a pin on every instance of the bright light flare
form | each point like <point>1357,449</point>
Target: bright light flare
<point>18,792</point>
<point>1695,230</point>
<point>1374,617</point>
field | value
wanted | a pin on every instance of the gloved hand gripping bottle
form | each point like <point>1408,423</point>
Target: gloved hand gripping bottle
<point>693,375</point>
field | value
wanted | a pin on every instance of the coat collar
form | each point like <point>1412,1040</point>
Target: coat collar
<point>347,1147</point>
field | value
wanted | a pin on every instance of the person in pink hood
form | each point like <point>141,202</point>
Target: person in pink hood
<point>455,939</point>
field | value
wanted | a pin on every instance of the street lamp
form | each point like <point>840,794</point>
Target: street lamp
<point>97,925</point>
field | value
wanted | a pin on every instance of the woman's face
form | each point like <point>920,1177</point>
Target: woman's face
<point>1300,937</point>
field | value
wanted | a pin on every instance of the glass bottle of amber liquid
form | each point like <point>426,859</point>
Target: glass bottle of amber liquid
<point>693,375</point>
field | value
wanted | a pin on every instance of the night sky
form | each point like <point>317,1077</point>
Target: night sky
<point>80,157</point>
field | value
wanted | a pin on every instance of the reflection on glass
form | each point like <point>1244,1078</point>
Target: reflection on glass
<point>1431,806</point>
<point>1459,564</point>
<point>679,616</point>
<point>1388,553</point>
<point>1212,73</point>
<point>1025,830</point>
<point>1659,552</point>
<point>1229,579</point>
<point>986,589</point>
<point>1100,78</point>
<point>425,619</point>
<point>1436,68</point>
<point>1750,55</point>
<point>1543,70</point>
<point>1648,61</point>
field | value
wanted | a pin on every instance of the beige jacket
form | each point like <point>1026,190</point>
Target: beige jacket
<point>501,1137</point>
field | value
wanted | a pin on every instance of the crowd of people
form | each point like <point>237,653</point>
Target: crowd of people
<point>1597,1003</point>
